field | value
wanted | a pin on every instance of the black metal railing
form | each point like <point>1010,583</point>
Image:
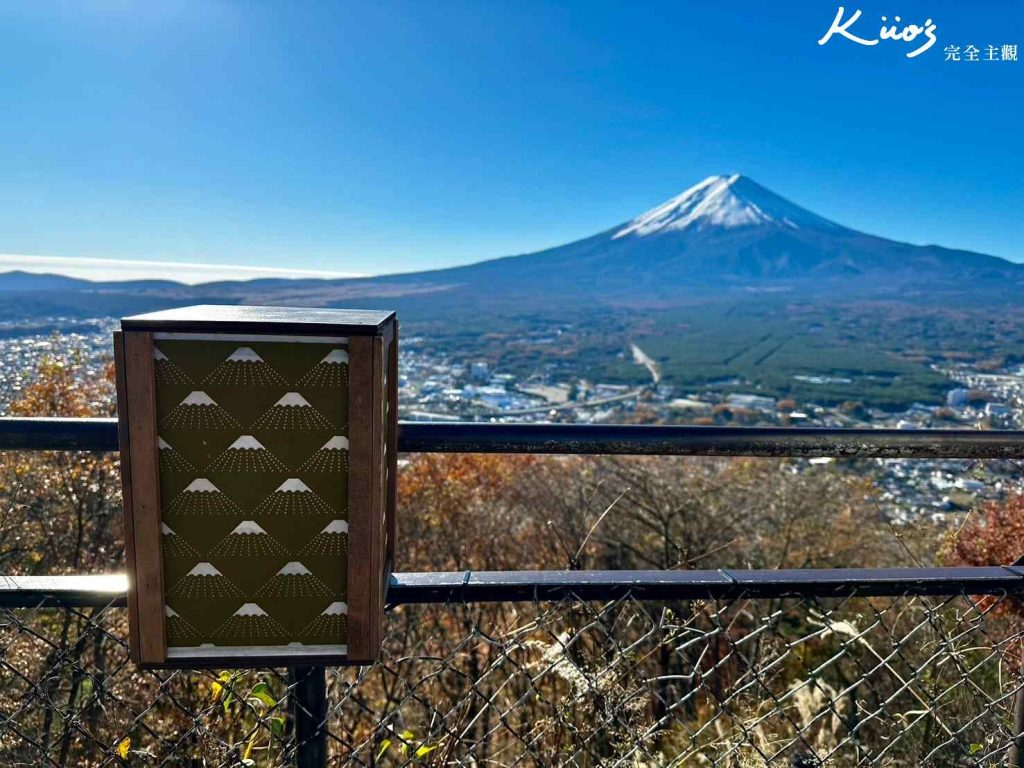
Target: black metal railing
<point>63,434</point>
<point>307,689</point>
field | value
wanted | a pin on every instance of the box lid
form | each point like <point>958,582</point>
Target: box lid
<point>220,318</point>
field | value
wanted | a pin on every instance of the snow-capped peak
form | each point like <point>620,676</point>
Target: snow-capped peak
<point>294,569</point>
<point>294,485</point>
<point>248,528</point>
<point>335,609</point>
<point>198,398</point>
<point>204,569</point>
<point>336,526</point>
<point>244,355</point>
<point>246,443</point>
<point>336,443</point>
<point>336,357</point>
<point>293,399</point>
<point>724,202</point>
<point>250,609</point>
<point>202,485</point>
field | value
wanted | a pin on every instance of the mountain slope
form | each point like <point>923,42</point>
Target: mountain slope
<point>722,235</point>
<point>728,231</point>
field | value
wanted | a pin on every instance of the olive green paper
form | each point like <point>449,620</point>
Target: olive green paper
<point>253,479</point>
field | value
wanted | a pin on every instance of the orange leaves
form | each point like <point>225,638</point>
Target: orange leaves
<point>992,536</point>
<point>66,387</point>
<point>458,511</point>
<point>61,507</point>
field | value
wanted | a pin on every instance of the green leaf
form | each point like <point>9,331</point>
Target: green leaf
<point>277,726</point>
<point>383,748</point>
<point>261,692</point>
<point>425,750</point>
<point>976,748</point>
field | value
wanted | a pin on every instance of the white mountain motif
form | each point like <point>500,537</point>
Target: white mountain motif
<point>331,626</point>
<point>331,371</point>
<point>249,528</point>
<point>174,545</point>
<point>204,581</point>
<point>251,625</point>
<point>294,497</point>
<point>247,454</point>
<point>248,540</point>
<point>292,412</point>
<point>201,497</point>
<point>199,411</point>
<point>166,371</point>
<point>294,580</point>
<point>250,609</point>
<point>202,485</point>
<point>331,541</point>
<point>204,569</point>
<point>244,368</point>
<point>244,355</point>
<point>331,457</point>
<point>172,461</point>
<point>180,632</point>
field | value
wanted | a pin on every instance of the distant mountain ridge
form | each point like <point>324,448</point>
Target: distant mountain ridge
<point>727,233</point>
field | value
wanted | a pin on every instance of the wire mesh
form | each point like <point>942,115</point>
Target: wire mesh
<point>893,681</point>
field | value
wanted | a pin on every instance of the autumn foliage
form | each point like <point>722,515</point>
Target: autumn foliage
<point>467,662</point>
<point>992,536</point>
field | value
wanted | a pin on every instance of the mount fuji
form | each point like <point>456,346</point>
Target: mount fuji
<point>726,235</point>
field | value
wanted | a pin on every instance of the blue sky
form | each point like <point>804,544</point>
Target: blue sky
<point>389,136</point>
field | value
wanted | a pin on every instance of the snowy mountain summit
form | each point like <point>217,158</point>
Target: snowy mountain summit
<point>724,202</point>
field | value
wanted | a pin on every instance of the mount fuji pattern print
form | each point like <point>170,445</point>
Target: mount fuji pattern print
<point>253,448</point>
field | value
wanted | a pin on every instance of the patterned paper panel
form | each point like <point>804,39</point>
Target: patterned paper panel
<point>253,446</point>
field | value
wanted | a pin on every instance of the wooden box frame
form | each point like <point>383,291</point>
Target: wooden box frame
<point>372,339</point>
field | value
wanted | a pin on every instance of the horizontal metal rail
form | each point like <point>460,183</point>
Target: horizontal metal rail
<point>463,587</point>
<point>466,437</point>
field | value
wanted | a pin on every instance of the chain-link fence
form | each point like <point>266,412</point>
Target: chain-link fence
<point>891,681</point>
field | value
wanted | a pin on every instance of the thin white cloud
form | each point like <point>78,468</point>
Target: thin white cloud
<point>130,269</point>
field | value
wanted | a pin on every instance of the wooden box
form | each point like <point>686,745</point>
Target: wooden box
<point>258,455</point>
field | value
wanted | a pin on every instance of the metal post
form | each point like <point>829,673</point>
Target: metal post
<point>1017,749</point>
<point>309,711</point>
